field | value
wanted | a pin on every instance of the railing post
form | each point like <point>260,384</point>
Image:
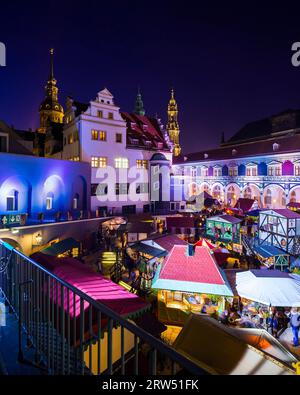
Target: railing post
<point>109,345</point>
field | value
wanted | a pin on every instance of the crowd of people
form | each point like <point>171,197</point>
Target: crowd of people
<point>274,320</point>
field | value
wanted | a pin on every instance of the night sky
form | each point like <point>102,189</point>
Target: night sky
<point>229,64</point>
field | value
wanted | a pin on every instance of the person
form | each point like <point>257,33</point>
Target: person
<point>295,324</point>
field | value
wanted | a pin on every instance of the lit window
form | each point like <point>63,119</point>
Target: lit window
<point>100,114</point>
<point>297,170</point>
<point>141,164</point>
<point>75,201</point>
<point>49,203</point>
<point>217,172</point>
<point>94,161</point>
<point>97,161</point>
<point>102,136</point>
<point>94,134</point>
<point>118,137</point>
<point>102,161</point>
<point>70,139</point>
<point>110,115</point>
<point>122,188</point>
<point>121,163</point>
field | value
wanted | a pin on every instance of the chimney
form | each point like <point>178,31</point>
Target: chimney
<point>190,251</point>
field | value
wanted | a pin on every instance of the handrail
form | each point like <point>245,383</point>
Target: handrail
<point>141,333</point>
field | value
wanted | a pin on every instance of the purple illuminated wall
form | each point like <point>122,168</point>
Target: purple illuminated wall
<point>287,168</point>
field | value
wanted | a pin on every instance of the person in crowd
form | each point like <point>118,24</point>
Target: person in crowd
<point>295,325</point>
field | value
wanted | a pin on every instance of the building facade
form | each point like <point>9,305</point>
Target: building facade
<point>116,144</point>
<point>261,162</point>
<point>36,186</point>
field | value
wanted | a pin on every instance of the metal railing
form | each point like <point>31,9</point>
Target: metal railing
<point>67,328</point>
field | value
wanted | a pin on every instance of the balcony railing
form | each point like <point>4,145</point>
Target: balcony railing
<point>62,323</point>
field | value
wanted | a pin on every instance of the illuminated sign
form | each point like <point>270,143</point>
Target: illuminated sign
<point>11,219</point>
<point>2,55</point>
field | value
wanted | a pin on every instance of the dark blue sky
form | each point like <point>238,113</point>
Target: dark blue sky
<point>228,62</point>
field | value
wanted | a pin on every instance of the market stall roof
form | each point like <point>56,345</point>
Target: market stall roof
<point>283,212</point>
<point>268,250</point>
<point>197,273</point>
<point>244,204</point>
<point>205,243</point>
<point>225,218</point>
<point>293,204</point>
<point>253,213</point>
<point>180,222</point>
<point>61,247</point>
<point>220,349</point>
<point>149,247</point>
<point>93,284</point>
<point>269,287</point>
<point>167,242</point>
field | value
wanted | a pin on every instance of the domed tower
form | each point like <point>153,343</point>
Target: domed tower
<point>50,110</point>
<point>172,124</point>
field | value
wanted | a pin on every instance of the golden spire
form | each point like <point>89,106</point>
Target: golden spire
<point>172,124</point>
<point>50,109</point>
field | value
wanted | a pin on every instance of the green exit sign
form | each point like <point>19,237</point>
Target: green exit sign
<point>11,219</point>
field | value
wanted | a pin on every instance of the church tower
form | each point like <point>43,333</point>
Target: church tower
<point>50,110</point>
<point>139,105</point>
<point>172,124</point>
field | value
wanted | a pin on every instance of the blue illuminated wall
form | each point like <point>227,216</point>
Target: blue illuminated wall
<point>30,180</point>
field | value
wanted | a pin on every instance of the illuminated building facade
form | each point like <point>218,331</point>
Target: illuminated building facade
<point>100,134</point>
<point>261,161</point>
<point>34,186</point>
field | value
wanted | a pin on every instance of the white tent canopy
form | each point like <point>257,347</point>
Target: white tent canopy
<point>269,287</point>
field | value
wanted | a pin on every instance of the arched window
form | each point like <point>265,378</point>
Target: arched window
<point>75,201</point>
<point>216,192</point>
<point>49,201</point>
<point>293,198</point>
<point>12,200</point>
<point>231,196</point>
<point>268,197</point>
<point>248,193</point>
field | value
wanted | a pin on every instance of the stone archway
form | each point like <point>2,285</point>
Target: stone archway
<point>274,197</point>
<point>252,191</point>
<point>232,194</point>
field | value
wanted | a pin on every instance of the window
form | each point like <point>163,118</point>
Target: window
<point>204,171</point>
<point>118,137</point>
<point>142,188</point>
<point>233,171</point>
<point>70,139</point>
<point>12,201</point>
<point>141,164</point>
<point>122,188</point>
<point>274,170</point>
<point>251,171</point>
<point>121,163</point>
<point>217,172</point>
<point>100,114</point>
<point>49,203</point>
<point>75,159</point>
<point>94,134</point>
<point>297,170</point>
<point>101,190</point>
<point>75,201</point>
<point>3,144</point>
<point>102,135</point>
<point>110,115</point>
<point>98,161</point>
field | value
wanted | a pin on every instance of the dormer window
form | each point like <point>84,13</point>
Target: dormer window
<point>234,152</point>
<point>233,171</point>
<point>204,171</point>
<point>275,147</point>
<point>251,170</point>
<point>205,156</point>
<point>274,169</point>
<point>217,171</point>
